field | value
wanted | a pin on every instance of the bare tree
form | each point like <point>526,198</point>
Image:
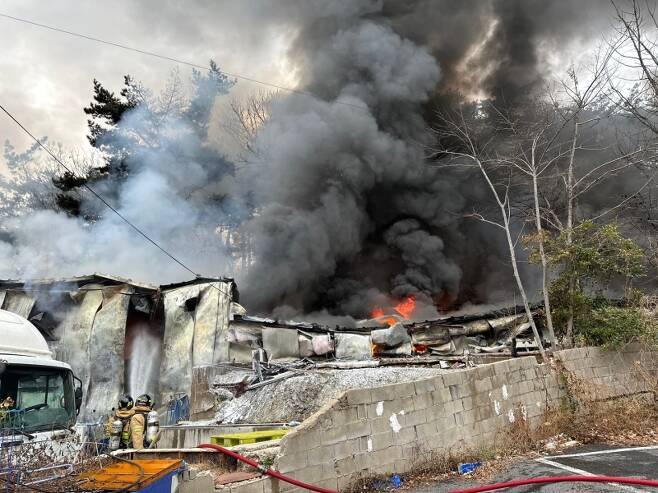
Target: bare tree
<point>467,149</point>
<point>28,183</point>
<point>635,48</point>
<point>248,115</point>
<point>535,150</point>
<point>542,151</point>
<point>582,103</point>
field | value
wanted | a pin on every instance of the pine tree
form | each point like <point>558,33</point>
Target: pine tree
<point>105,111</point>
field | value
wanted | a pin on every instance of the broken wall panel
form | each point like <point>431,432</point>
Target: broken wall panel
<point>19,303</point>
<point>75,333</point>
<point>106,352</point>
<point>280,343</point>
<point>240,353</point>
<point>322,344</point>
<point>353,346</point>
<point>225,306</point>
<point>176,366</point>
<point>210,344</point>
<point>245,334</point>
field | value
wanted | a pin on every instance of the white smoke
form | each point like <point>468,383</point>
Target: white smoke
<point>169,196</point>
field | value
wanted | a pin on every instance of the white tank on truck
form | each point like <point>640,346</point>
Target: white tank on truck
<point>39,398</point>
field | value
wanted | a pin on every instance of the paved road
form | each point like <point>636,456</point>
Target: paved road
<point>641,462</point>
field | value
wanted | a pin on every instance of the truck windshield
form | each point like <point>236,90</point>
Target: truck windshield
<point>36,398</point>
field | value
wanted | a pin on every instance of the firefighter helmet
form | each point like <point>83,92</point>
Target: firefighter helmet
<point>126,402</point>
<point>144,400</point>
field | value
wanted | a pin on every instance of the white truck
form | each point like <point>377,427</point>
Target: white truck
<point>39,398</point>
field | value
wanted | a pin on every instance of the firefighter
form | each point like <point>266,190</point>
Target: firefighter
<point>5,407</point>
<point>144,425</point>
<point>117,429</point>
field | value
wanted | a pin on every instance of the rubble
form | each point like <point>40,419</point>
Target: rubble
<point>503,332</point>
<point>93,322</point>
<point>300,395</point>
<point>393,336</point>
<point>353,346</point>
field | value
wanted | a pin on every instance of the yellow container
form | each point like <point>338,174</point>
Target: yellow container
<point>230,439</point>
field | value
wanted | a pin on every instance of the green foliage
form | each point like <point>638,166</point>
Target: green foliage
<point>595,255</point>
<point>612,327</point>
<point>590,261</point>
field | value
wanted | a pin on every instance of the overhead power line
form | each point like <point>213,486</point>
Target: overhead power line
<point>172,59</point>
<point>99,196</point>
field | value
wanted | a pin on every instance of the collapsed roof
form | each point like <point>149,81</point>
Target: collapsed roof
<point>106,327</point>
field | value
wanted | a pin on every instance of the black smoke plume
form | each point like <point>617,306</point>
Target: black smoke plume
<point>353,214</point>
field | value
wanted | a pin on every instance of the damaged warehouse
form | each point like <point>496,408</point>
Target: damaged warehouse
<point>311,364</point>
<point>124,336</point>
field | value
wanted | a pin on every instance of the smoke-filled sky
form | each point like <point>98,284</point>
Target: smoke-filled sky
<point>46,76</point>
<point>347,208</point>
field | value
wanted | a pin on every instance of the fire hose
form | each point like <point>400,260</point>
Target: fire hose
<point>475,489</point>
<point>560,479</point>
<point>264,470</point>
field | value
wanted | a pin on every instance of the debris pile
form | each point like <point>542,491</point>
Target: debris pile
<point>286,370</point>
<point>504,333</point>
<point>302,392</point>
<point>151,338</point>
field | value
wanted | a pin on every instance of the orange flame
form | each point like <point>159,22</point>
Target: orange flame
<point>377,312</point>
<point>406,306</point>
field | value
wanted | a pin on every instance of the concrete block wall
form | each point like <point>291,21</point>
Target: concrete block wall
<point>390,429</point>
<point>611,373</point>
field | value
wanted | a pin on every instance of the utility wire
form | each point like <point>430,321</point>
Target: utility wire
<point>172,59</point>
<point>99,196</point>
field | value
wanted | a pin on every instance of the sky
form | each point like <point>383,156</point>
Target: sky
<point>46,77</point>
<point>46,81</point>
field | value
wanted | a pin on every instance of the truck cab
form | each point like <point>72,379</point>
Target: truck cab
<point>39,399</point>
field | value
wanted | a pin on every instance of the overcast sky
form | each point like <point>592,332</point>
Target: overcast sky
<point>46,77</point>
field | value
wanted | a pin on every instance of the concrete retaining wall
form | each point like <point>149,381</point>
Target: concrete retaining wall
<point>389,429</point>
<point>610,373</point>
<point>190,436</point>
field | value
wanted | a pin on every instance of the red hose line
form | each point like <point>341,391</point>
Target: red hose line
<point>269,472</point>
<point>559,479</point>
<point>476,489</point>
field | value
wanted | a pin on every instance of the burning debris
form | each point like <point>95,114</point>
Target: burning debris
<point>387,349</point>
<point>385,335</point>
<point>123,336</point>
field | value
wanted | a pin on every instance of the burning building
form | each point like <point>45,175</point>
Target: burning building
<point>123,336</point>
